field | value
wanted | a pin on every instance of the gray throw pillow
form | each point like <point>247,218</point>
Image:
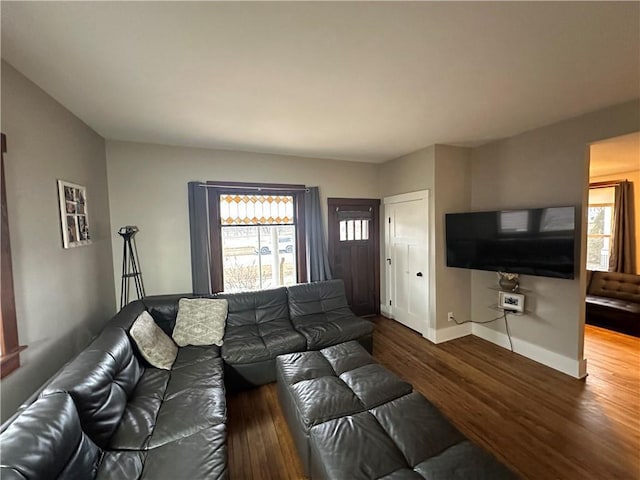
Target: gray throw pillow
<point>200,321</point>
<point>156,347</point>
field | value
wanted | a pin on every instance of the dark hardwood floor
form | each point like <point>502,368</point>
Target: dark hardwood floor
<point>541,423</point>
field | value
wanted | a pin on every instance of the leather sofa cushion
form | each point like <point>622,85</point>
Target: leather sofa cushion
<point>320,312</point>
<point>613,303</point>
<point>251,308</point>
<point>194,400</point>
<point>463,460</point>
<point>64,451</point>
<point>100,380</point>
<point>202,454</point>
<point>259,342</point>
<point>416,427</point>
<point>139,418</point>
<point>193,354</point>
<point>120,465</point>
<point>170,405</point>
<point>317,298</point>
<point>404,438</point>
<point>258,327</point>
<point>328,329</point>
<point>620,286</point>
<point>46,441</point>
<point>336,381</point>
<point>199,455</point>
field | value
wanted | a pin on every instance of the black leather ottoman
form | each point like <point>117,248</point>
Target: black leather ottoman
<point>353,419</point>
<point>317,386</point>
<point>406,438</point>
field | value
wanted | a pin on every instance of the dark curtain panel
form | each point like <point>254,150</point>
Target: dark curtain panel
<point>199,232</point>
<point>622,258</point>
<point>317,257</point>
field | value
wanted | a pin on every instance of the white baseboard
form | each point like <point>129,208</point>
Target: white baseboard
<point>449,333</point>
<point>384,310</point>
<point>570,366</point>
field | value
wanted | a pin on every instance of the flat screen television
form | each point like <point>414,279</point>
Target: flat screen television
<point>537,241</point>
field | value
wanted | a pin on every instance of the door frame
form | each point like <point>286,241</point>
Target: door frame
<point>374,235</point>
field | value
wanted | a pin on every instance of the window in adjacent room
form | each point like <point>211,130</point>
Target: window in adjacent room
<point>258,236</point>
<point>600,227</point>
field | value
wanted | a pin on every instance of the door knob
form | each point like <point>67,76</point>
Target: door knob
<point>419,274</point>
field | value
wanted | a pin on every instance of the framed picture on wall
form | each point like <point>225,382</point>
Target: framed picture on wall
<point>74,216</point>
<point>511,301</point>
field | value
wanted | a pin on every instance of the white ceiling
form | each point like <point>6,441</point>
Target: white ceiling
<point>615,155</point>
<point>356,81</point>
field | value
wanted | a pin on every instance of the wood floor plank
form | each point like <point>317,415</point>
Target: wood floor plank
<point>541,423</point>
<point>259,459</point>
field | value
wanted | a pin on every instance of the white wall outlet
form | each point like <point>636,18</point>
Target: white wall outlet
<point>450,316</point>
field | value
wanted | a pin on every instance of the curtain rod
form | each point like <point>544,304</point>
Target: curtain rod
<point>608,183</point>
<point>259,189</point>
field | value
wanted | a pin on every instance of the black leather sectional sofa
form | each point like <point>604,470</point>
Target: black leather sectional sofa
<point>108,415</point>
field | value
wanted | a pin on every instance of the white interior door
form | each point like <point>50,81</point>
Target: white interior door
<point>407,259</point>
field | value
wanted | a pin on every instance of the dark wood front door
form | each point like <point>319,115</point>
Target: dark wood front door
<point>354,251</point>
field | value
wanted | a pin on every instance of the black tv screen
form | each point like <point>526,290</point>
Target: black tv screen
<point>539,241</point>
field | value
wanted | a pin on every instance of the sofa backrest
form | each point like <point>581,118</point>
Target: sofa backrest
<point>250,308</point>
<point>622,286</point>
<point>317,298</point>
<point>164,309</point>
<point>100,380</point>
<point>127,315</point>
<point>46,441</point>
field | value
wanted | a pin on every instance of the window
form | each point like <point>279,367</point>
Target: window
<point>600,227</point>
<point>9,347</point>
<point>257,237</point>
<point>351,230</point>
<point>353,225</point>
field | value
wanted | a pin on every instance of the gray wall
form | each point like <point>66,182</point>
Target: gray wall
<point>148,188</point>
<point>444,171</point>
<point>543,167</point>
<point>410,173</point>
<point>63,297</point>
<point>452,193</point>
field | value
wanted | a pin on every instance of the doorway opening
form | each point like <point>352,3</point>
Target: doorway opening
<point>613,234</point>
